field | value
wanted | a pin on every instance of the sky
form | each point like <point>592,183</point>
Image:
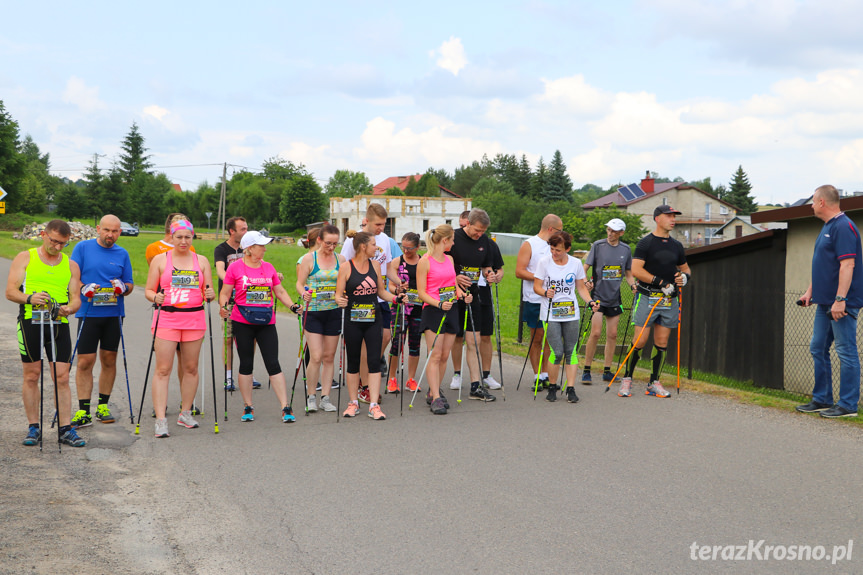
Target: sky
<point>685,89</point>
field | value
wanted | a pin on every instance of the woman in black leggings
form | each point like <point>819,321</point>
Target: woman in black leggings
<point>358,285</point>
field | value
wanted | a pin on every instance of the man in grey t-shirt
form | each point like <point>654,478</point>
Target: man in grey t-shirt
<point>606,265</point>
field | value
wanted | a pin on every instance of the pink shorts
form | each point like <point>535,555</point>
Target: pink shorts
<point>180,334</point>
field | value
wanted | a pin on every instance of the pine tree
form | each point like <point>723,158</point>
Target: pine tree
<point>133,159</point>
<point>538,180</point>
<point>558,186</point>
<point>739,193</point>
<point>522,177</point>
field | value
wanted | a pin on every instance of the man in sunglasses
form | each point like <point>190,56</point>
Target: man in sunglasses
<point>45,284</point>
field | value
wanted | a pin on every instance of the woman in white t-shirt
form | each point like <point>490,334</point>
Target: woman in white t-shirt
<point>557,278</point>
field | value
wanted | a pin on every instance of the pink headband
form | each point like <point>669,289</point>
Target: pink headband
<point>182,225</point>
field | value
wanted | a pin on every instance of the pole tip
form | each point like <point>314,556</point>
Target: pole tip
<point>137,430</point>
<point>217,428</point>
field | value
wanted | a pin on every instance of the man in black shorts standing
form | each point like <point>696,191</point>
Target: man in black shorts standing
<point>224,255</point>
<point>106,274</point>
<point>50,278</point>
<point>610,261</point>
<point>472,256</point>
<point>659,265</point>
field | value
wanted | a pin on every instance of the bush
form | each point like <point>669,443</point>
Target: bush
<point>15,222</point>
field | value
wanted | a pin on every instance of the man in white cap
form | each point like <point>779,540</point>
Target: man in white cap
<point>610,261</point>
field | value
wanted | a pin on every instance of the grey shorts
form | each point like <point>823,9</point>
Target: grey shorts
<point>664,314</point>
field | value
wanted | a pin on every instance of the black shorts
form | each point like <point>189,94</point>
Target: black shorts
<point>386,314</point>
<point>610,311</point>
<point>486,325</point>
<point>431,320</point>
<point>328,322</point>
<point>98,332</point>
<point>477,310</point>
<point>28,342</point>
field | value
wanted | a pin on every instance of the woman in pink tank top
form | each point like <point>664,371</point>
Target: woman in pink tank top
<point>439,291</point>
<point>178,282</point>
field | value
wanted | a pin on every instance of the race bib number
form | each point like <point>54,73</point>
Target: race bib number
<point>104,297</point>
<point>472,273</point>
<point>41,315</point>
<point>664,301</point>
<point>413,297</point>
<point>185,279</point>
<point>612,273</point>
<point>363,312</point>
<point>259,295</point>
<point>325,293</point>
<point>561,310</point>
<point>446,293</point>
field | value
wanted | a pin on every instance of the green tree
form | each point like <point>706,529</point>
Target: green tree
<point>347,184</point>
<point>538,181</point>
<point>587,193</point>
<point>413,189</point>
<point>590,225</point>
<point>94,182</point>
<point>521,184</point>
<point>113,198</point>
<point>704,185</point>
<point>71,202</point>
<point>175,201</point>
<point>133,158</point>
<point>252,203</point>
<point>277,172</point>
<point>740,193</point>
<point>12,164</point>
<point>466,177</point>
<point>147,193</point>
<point>503,205</point>
<point>303,202</point>
<point>534,211</point>
<point>444,178</point>
<point>32,195</point>
<point>558,185</point>
<point>394,191</point>
<point>428,186</point>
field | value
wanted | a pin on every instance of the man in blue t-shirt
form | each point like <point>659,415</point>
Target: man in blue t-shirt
<point>837,290</point>
<point>106,276</point>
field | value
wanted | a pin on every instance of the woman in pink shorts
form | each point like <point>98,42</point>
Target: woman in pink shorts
<point>178,281</point>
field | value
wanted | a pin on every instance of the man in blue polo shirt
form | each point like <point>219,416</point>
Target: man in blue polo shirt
<point>106,274</point>
<point>837,290</point>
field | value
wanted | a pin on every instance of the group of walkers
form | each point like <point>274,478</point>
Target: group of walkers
<point>372,295</point>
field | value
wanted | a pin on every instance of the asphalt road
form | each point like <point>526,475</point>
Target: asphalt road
<point>608,485</point>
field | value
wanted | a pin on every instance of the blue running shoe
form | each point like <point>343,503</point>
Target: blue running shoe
<point>288,415</point>
<point>256,384</point>
<point>71,438</point>
<point>229,386</point>
<point>607,376</point>
<point>586,378</point>
<point>34,434</point>
<point>248,413</point>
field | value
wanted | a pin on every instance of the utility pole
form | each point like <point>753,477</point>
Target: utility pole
<point>220,218</point>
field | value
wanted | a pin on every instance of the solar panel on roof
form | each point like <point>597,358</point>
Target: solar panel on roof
<point>636,190</point>
<point>626,193</point>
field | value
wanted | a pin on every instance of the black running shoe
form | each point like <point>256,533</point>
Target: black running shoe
<point>570,395</point>
<point>481,394</point>
<point>552,393</point>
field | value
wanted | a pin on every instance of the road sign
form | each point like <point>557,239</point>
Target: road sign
<point>2,193</point>
<point>2,207</point>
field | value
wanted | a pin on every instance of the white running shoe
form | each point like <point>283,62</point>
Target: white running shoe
<point>625,387</point>
<point>456,382</point>
<point>491,383</point>
<point>326,405</point>
<point>312,405</point>
<point>186,420</point>
<point>162,427</point>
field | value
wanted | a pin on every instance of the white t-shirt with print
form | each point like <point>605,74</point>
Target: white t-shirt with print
<point>564,305</point>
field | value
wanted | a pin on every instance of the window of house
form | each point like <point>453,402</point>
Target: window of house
<point>448,222</point>
<point>707,211</point>
<point>664,201</point>
<point>425,225</point>
<point>723,210</point>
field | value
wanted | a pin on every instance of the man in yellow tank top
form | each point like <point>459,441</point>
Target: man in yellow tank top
<point>46,285</point>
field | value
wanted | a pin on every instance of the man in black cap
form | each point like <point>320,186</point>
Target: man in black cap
<point>659,265</point>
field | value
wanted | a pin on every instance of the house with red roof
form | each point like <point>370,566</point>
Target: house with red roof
<point>703,217</point>
<point>402,182</point>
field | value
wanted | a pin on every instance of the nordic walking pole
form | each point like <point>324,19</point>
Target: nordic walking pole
<point>212,369</point>
<point>633,346</point>
<point>340,349</point>
<point>302,325</point>
<point>526,357</point>
<point>475,346</point>
<point>226,343</point>
<point>405,335</point>
<point>542,349</point>
<point>496,301</point>
<point>72,359</point>
<point>42,378</point>
<point>395,330</point>
<point>463,353</point>
<point>56,390</point>
<point>434,341</point>
<point>126,370</point>
<point>149,361</point>
<point>679,317</point>
<point>623,341</point>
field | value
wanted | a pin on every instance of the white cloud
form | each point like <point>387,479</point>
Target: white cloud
<point>451,56</point>
<point>155,111</point>
<point>84,97</point>
<point>574,94</point>
<point>309,156</point>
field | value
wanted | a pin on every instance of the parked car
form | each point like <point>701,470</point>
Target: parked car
<point>127,229</point>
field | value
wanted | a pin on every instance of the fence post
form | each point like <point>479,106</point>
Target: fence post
<point>520,323</point>
<point>690,308</point>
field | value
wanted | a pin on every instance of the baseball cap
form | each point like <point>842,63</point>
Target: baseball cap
<point>664,209</point>
<point>254,239</point>
<point>616,224</point>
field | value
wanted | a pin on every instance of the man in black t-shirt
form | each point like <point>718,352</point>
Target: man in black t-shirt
<point>224,255</point>
<point>472,256</point>
<point>659,265</point>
